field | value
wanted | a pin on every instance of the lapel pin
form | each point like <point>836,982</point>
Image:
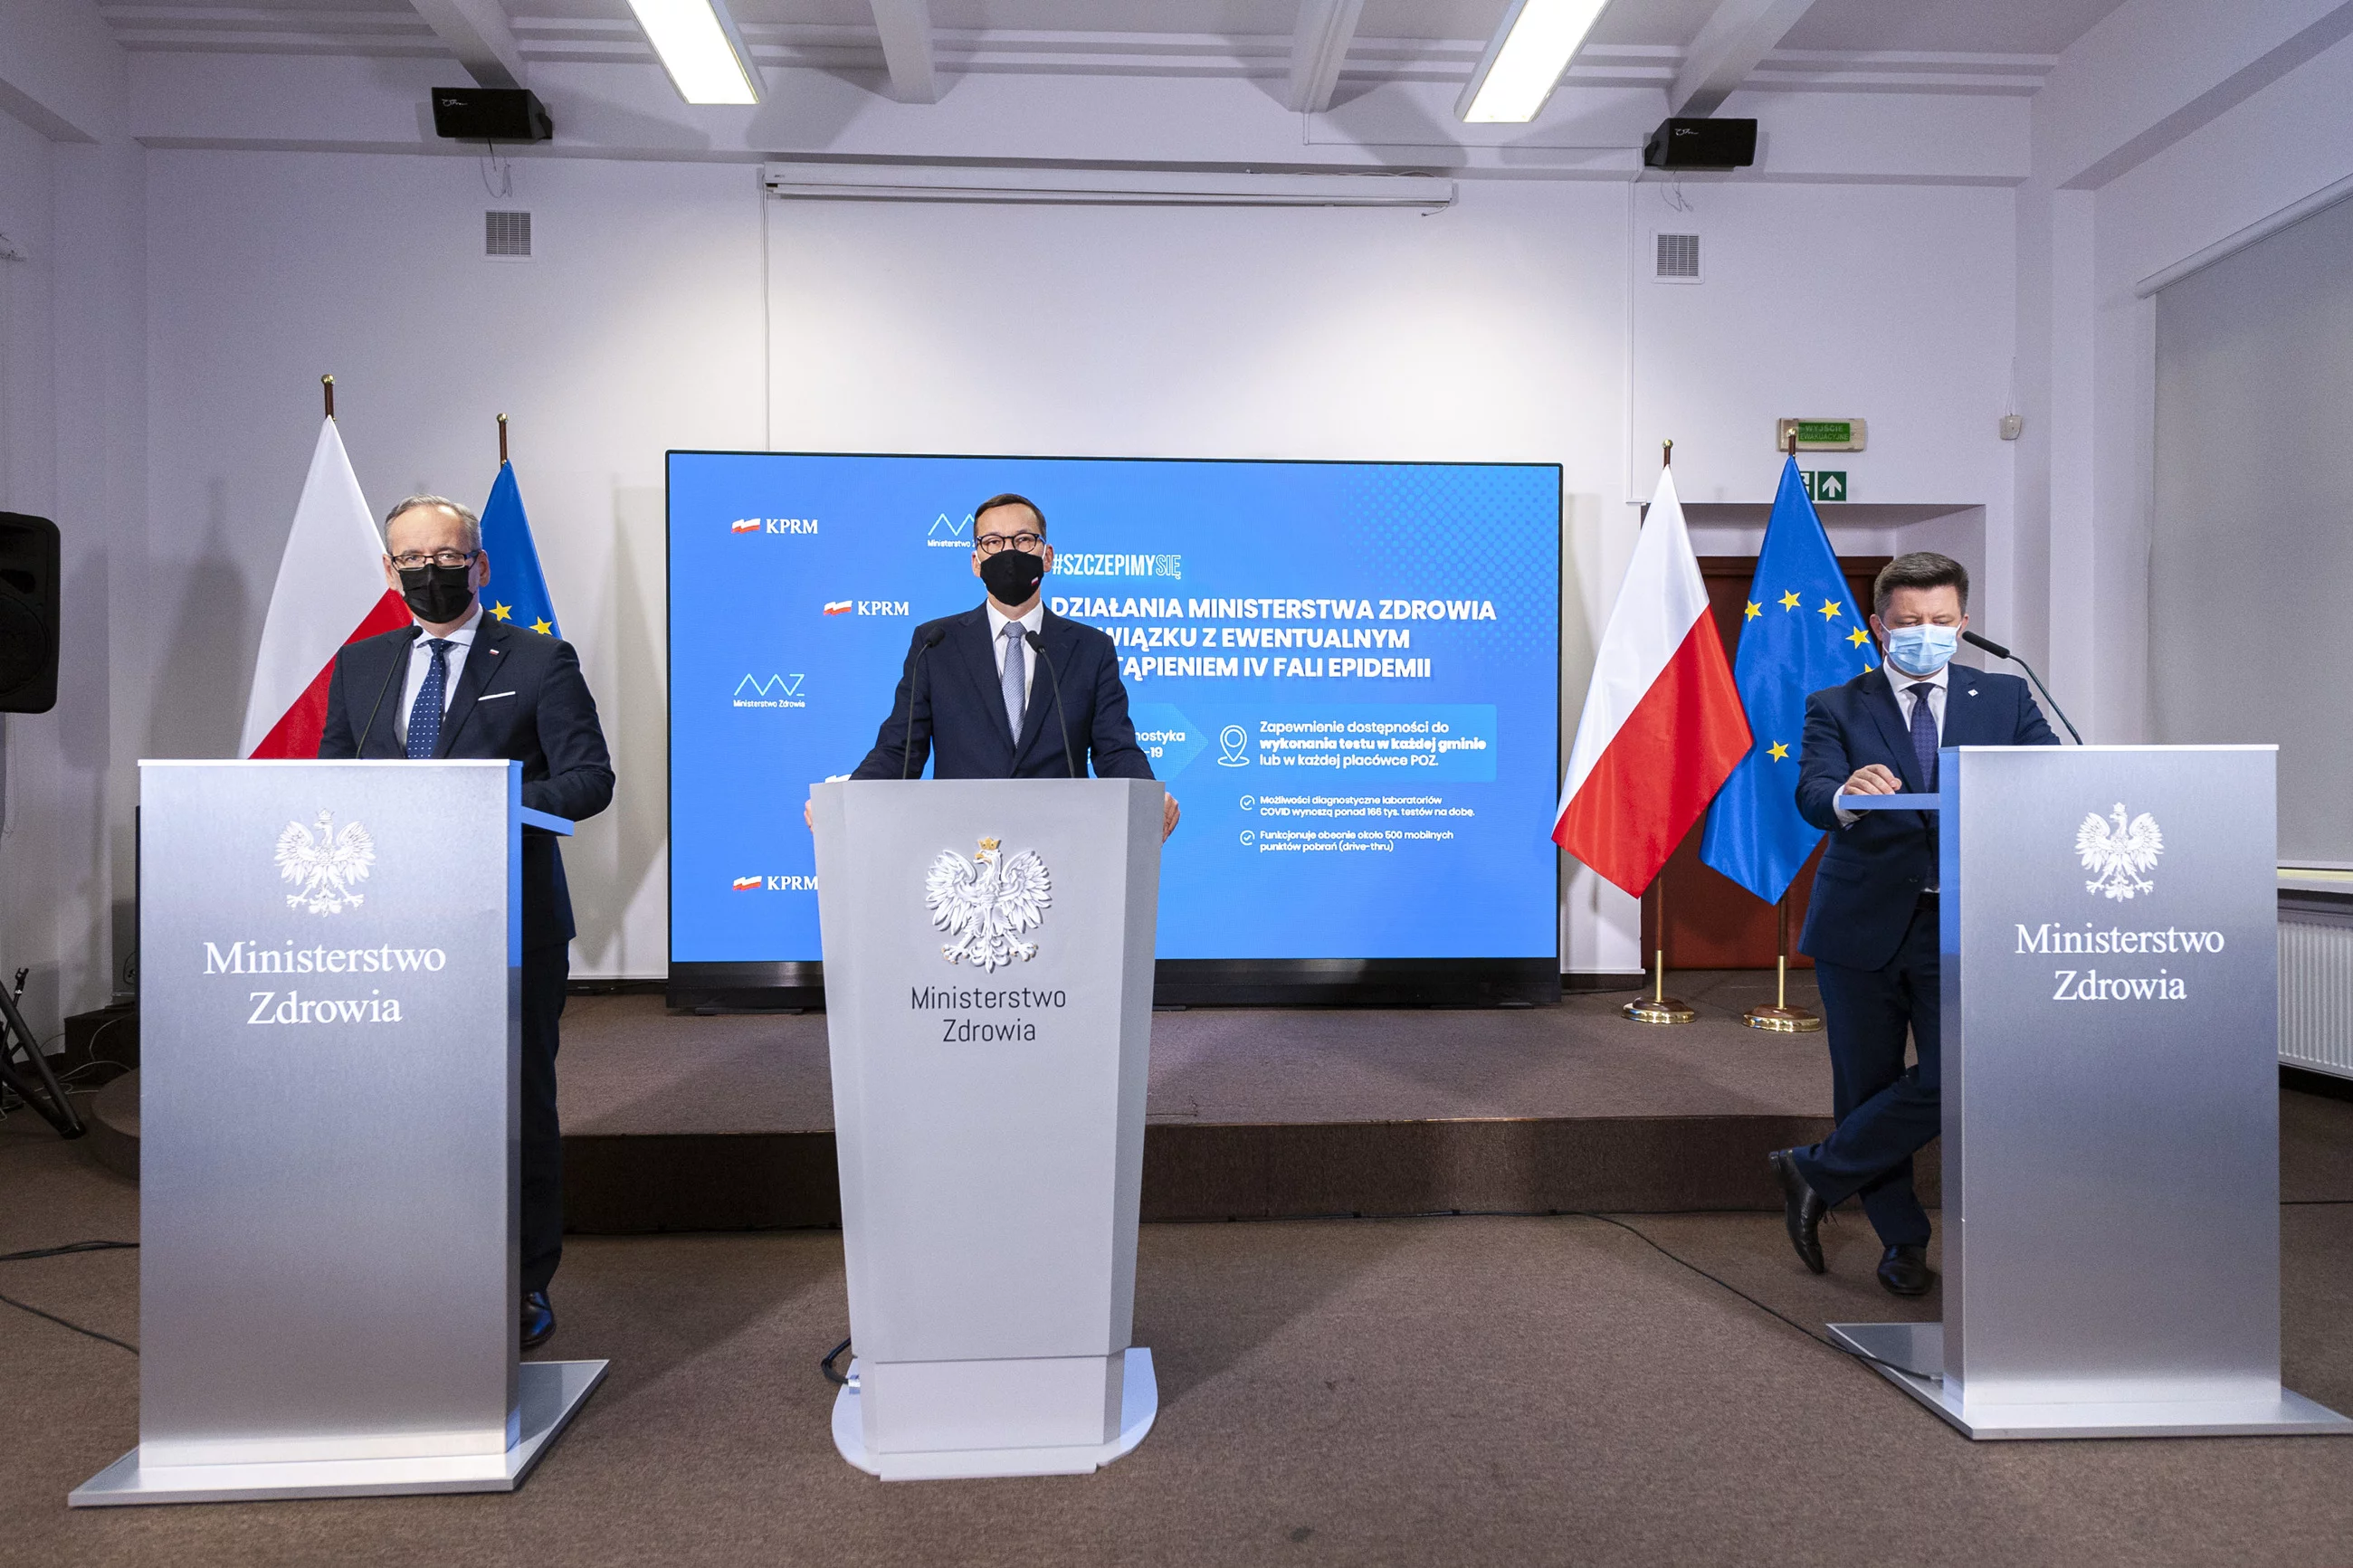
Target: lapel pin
<point>1973,691</point>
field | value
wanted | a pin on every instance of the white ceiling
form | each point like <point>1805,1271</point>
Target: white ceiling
<point>1256,33</point>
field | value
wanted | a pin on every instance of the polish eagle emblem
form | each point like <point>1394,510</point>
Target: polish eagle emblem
<point>324,865</point>
<point>985,903</point>
<point>2118,853</point>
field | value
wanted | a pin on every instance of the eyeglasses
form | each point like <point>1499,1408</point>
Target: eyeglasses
<point>990,543</point>
<point>450,558</point>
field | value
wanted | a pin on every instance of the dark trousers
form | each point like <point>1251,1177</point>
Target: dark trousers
<point>545,971</point>
<point>1885,1110</point>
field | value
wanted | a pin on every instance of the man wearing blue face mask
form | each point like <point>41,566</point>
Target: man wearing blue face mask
<point>1872,926</point>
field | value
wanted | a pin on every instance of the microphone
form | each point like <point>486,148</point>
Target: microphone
<point>1070,758</point>
<point>1998,651</point>
<point>400,662</point>
<point>932,640</point>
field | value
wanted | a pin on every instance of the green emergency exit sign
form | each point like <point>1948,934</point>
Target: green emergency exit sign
<point>1820,435</point>
<point>1825,484</point>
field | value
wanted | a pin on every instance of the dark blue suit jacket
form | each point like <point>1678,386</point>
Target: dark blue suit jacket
<point>958,709</point>
<point>1872,873</point>
<point>519,697</point>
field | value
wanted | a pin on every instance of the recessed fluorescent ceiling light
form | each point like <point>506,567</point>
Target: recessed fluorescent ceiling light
<point>1530,51</point>
<point>701,50</point>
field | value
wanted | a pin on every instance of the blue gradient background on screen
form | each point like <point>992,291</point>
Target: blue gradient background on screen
<point>748,624</point>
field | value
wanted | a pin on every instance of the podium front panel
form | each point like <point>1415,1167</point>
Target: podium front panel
<point>2110,1026</point>
<point>329,1039</point>
<point>988,1089</point>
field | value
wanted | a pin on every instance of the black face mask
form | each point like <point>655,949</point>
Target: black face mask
<point>438,595</point>
<point>1012,576</point>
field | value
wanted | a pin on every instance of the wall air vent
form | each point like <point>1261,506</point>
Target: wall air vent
<point>506,236</point>
<point>1678,259</point>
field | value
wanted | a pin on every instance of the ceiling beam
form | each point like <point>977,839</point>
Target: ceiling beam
<point>1318,50</point>
<point>906,29</point>
<point>476,31</point>
<point>1729,46</point>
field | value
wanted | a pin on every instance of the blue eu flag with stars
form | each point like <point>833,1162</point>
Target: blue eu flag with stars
<point>1798,634</point>
<point>518,591</point>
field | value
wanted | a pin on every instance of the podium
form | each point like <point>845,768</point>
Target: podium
<point>330,1144</point>
<point>989,962</point>
<point>2110,969</point>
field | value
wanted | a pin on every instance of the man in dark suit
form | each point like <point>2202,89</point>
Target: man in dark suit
<point>1871,927</point>
<point>993,693</point>
<point>460,683</point>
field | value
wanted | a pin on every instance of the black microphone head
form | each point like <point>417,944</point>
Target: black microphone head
<point>1987,644</point>
<point>1034,640</point>
<point>935,636</point>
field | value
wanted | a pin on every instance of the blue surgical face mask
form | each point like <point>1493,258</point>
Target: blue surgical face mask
<point>1922,650</point>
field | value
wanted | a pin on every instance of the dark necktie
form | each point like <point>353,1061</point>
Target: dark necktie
<point>1924,734</point>
<point>425,719</point>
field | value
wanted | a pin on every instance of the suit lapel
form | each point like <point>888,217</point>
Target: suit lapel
<point>484,659</point>
<point>383,716</point>
<point>1879,696</point>
<point>1035,719</point>
<point>1965,708</point>
<point>976,654</point>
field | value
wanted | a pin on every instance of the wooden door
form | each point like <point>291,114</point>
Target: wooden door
<point>1714,922</point>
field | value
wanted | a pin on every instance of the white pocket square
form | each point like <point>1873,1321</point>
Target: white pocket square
<point>492,696</point>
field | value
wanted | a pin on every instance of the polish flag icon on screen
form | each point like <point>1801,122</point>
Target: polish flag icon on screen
<point>839,606</point>
<point>747,884</point>
<point>744,525</point>
<point>331,591</point>
<point>1663,727</point>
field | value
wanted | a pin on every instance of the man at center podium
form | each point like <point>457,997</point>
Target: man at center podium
<point>971,697</point>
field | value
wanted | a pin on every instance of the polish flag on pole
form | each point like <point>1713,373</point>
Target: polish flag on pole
<point>1662,726</point>
<point>330,591</point>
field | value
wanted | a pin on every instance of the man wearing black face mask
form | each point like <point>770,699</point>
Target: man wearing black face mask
<point>977,697</point>
<point>460,683</point>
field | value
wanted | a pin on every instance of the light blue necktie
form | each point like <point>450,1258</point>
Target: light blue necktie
<point>425,718</point>
<point>1010,680</point>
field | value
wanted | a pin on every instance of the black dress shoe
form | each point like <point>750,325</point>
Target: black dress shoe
<point>1904,1270</point>
<point>538,1319</point>
<point>1804,1210</point>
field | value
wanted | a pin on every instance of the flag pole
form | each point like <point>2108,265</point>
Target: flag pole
<point>502,440</point>
<point>1780,1017</point>
<point>327,384</point>
<point>1659,1007</point>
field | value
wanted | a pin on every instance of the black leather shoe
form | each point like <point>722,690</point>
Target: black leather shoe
<point>1904,1270</point>
<point>1804,1209</point>
<point>538,1319</point>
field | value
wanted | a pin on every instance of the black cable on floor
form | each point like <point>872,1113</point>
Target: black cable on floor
<point>1770,1311</point>
<point>71,1246</point>
<point>826,1366</point>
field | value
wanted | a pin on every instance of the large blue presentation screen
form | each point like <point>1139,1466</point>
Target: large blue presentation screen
<point>1346,672</point>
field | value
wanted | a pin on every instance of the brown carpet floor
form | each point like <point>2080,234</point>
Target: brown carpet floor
<point>1415,1392</point>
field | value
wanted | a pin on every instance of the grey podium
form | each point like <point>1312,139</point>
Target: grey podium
<point>988,956</point>
<point>330,1143</point>
<point>2111,1099</point>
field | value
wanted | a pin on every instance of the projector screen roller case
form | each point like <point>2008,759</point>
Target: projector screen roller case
<point>1348,673</point>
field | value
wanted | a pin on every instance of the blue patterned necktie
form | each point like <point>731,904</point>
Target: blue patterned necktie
<point>1924,734</point>
<point>1010,678</point>
<point>425,718</point>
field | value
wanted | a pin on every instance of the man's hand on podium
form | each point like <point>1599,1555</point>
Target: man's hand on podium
<point>1168,815</point>
<point>1872,779</point>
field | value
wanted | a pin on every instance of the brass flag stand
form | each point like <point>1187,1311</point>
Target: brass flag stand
<point>1780,1017</point>
<point>1659,1007</point>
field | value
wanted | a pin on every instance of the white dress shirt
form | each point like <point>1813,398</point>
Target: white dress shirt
<point>1902,682</point>
<point>1035,621</point>
<point>420,663</point>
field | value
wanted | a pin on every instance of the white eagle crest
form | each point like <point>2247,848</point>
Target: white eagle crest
<point>2117,852</point>
<point>984,901</point>
<point>323,867</point>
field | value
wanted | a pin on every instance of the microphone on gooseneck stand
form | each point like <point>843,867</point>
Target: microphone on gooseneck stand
<point>399,662</point>
<point>1998,651</point>
<point>1070,758</point>
<point>907,747</point>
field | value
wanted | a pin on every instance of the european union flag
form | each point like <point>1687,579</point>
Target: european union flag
<point>1799,633</point>
<point>518,592</point>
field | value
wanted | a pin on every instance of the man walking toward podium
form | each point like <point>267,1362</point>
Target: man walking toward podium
<point>971,697</point>
<point>470,685</point>
<point>1872,925</point>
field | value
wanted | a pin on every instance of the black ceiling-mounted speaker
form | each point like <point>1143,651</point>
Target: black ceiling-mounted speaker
<point>1701,144</point>
<point>490,114</point>
<point>28,613</point>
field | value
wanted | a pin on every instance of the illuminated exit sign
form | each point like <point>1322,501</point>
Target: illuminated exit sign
<point>1820,435</point>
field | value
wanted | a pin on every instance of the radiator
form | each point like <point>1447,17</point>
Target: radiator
<point>2315,972</point>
